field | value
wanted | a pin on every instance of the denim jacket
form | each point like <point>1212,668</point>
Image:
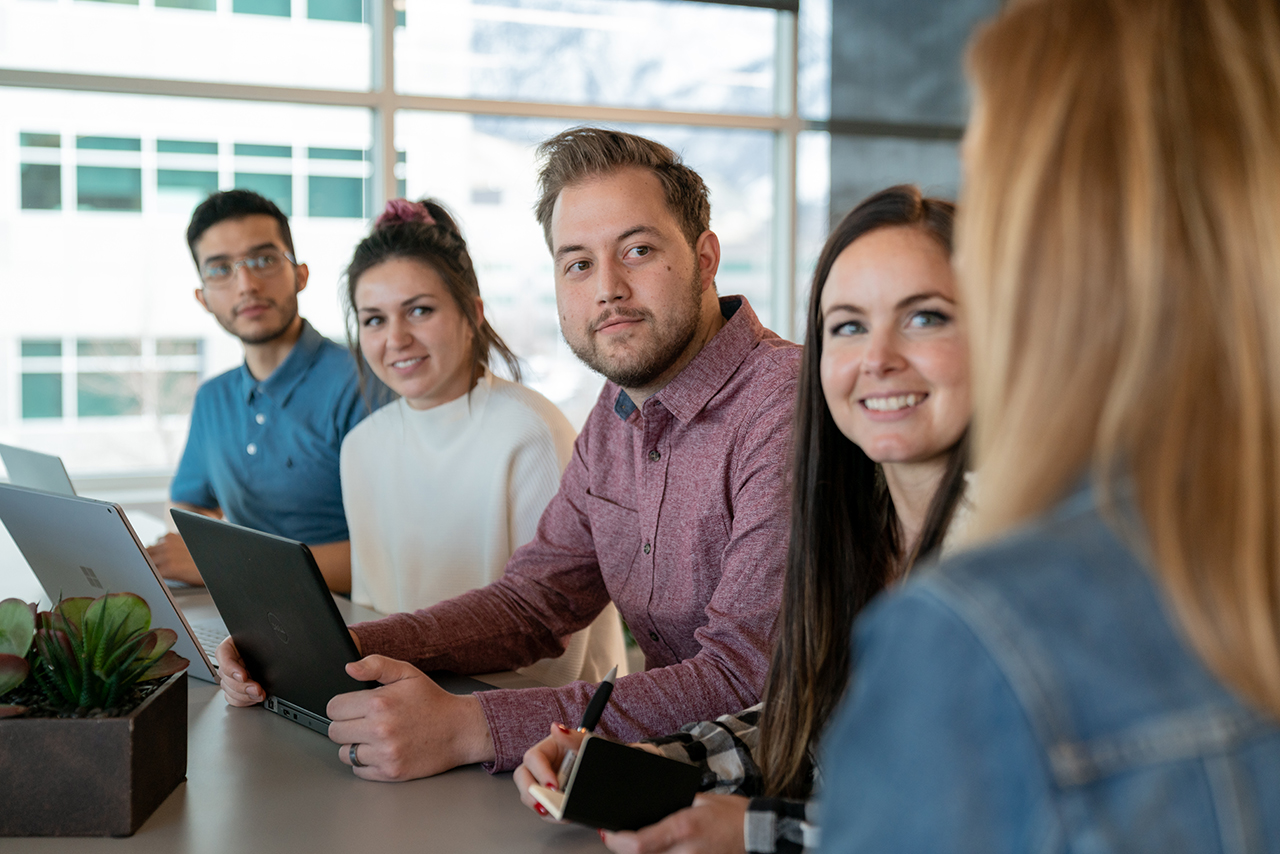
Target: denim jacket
<point>1036,695</point>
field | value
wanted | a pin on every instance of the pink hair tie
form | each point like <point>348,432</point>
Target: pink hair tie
<point>403,210</point>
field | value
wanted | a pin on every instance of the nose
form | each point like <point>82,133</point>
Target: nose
<point>611,283</point>
<point>246,282</point>
<point>883,355</point>
<point>398,335</point>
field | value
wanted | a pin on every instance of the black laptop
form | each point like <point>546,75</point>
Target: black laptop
<point>282,617</point>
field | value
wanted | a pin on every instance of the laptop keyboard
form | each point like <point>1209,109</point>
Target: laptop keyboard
<point>210,633</point>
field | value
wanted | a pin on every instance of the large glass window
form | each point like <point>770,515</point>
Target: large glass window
<point>111,378</point>
<point>476,85</point>
<point>272,42</point>
<point>482,167</point>
<point>672,55</point>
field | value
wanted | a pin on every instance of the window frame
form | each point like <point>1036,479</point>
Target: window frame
<point>383,101</point>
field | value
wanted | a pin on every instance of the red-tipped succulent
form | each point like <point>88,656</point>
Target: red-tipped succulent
<point>86,654</point>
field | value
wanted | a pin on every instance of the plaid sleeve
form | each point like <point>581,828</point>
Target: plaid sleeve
<point>779,826</point>
<point>723,749</point>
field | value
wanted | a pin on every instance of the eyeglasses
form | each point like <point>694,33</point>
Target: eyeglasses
<point>264,264</point>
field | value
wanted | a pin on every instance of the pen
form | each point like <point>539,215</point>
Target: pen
<point>590,717</point>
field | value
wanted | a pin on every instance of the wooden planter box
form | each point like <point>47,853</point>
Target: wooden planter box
<point>93,776</point>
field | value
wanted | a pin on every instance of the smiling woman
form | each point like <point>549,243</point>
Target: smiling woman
<point>443,485</point>
<point>894,354</point>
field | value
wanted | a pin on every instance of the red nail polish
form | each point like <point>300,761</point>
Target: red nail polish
<point>541,809</point>
<point>601,832</point>
<point>552,785</point>
<point>563,728</point>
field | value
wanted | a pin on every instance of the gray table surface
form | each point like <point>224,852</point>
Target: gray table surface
<point>257,782</point>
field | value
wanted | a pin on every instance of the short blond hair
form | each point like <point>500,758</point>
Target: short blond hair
<point>582,153</point>
<point>1119,245</point>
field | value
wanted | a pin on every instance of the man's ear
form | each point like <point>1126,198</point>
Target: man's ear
<point>301,273</point>
<point>200,299</point>
<point>708,252</point>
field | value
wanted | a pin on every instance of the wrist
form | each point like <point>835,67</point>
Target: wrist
<point>475,742</point>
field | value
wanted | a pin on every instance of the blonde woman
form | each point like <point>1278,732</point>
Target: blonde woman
<point>1102,671</point>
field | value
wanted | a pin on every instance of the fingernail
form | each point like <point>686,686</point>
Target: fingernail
<point>541,809</point>
<point>551,785</point>
<point>253,691</point>
<point>563,728</point>
<point>601,832</point>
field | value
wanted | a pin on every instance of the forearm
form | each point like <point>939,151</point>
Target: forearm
<point>780,826</point>
<point>646,704</point>
<point>508,624</point>
<point>334,561</point>
<point>724,749</point>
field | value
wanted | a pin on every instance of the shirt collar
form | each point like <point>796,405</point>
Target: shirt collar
<point>708,371</point>
<point>285,378</point>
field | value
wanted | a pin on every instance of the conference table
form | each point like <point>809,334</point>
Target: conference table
<point>257,782</point>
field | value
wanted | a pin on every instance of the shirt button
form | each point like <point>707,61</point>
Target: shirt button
<point>646,545</point>
<point>252,449</point>
<point>653,636</point>
<point>654,456</point>
<point>260,418</point>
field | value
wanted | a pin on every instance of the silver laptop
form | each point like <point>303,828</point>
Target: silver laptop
<point>36,470</point>
<point>82,547</point>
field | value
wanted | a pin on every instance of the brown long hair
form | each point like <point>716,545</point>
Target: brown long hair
<point>425,231</point>
<point>1120,262</point>
<point>844,534</point>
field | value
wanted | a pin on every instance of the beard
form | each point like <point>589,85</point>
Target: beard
<point>640,366</point>
<point>287,310</point>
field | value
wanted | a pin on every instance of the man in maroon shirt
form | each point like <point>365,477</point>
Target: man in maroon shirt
<point>675,504</point>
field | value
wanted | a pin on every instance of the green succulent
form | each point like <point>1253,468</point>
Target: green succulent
<point>87,653</point>
<point>17,628</point>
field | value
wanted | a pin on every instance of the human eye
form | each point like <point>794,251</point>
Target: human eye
<point>580,266</point>
<point>639,251</point>
<point>847,327</point>
<point>217,271</point>
<point>371,321</point>
<point>421,311</point>
<point>928,318</point>
<point>265,261</point>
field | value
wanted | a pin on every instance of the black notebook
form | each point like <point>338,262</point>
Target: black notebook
<point>618,787</point>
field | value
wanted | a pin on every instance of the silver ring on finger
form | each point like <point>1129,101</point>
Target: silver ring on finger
<point>354,757</point>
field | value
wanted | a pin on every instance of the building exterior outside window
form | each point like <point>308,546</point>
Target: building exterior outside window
<point>101,341</point>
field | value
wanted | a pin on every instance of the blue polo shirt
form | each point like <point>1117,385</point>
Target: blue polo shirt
<point>266,452</point>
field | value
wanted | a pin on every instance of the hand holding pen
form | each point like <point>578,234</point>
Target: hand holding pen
<point>590,718</point>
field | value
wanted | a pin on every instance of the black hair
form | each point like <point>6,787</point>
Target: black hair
<point>234,204</point>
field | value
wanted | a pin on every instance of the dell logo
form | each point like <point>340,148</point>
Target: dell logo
<point>277,627</point>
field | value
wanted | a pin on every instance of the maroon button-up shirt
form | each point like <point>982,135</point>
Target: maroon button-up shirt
<point>678,512</point>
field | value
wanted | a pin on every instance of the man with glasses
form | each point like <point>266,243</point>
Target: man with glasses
<point>264,440</point>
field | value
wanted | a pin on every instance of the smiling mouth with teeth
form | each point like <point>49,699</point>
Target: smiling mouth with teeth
<point>404,363</point>
<point>894,403</point>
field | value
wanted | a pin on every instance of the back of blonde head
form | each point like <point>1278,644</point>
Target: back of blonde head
<point>1119,248</point>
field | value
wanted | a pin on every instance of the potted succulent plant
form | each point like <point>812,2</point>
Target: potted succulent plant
<point>93,717</point>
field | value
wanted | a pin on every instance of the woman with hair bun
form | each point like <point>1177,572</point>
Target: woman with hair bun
<point>442,485</point>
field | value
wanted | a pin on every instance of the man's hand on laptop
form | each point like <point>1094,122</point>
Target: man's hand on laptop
<point>171,557</point>
<point>238,688</point>
<point>408,727</point>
